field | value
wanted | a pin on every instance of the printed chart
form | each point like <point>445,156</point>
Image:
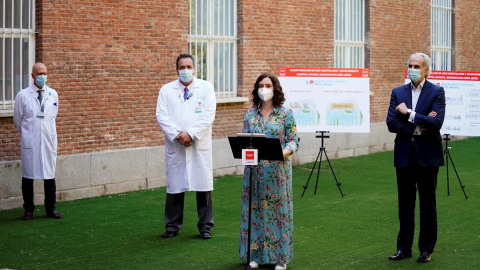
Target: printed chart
<point>328,99</point>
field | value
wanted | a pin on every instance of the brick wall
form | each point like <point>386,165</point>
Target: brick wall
<point>396,31</point>
<point>467,35</point>
<point>108,59</point>
<point>283,33</point>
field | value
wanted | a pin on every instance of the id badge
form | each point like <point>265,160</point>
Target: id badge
<point>41,115</point>
<point>199,105</point>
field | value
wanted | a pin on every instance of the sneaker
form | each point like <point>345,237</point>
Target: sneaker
<point>253,264</point>
<point>280,266</point>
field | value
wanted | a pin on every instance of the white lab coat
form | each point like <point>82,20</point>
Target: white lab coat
<point>187,168</point>
<point>38,144</point>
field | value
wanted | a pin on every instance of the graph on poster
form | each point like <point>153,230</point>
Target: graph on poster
<point>331,99</point>
<point>462,98</point>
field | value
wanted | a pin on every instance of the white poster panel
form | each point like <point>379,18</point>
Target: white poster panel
<point>328,99</point>
<point>462,96</point>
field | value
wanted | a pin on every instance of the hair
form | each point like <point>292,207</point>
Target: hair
<point>185,55</point>
<point>427,63</point>
<point>278,96</point>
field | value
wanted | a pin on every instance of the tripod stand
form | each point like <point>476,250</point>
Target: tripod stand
<point>446,152</point>
<point>320,154</point>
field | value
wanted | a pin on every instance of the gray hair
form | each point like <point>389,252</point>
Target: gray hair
<point>427,62</point>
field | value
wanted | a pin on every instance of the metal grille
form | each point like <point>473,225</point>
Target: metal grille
<point>213,42</point>
<point>17,48</point>
<point>441,34</point>
<point>349,33</point>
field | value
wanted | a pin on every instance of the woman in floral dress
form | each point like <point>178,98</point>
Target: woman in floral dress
<point>272,206</point>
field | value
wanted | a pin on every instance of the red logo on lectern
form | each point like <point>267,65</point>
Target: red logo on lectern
<point>249,155</point>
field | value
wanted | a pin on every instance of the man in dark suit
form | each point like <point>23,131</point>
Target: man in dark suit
<point>416,115</point>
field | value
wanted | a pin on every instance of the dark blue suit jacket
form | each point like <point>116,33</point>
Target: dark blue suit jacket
<point>428,145</point>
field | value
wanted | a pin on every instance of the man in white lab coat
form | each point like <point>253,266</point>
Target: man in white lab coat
<point>185,112</point>
<point>36,108</point>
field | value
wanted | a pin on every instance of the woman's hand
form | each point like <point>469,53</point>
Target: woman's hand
<point>286,152</point>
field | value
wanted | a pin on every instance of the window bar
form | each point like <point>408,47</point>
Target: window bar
<point>210,73</point>
<point>189,27</point>
<point>217,22</point>
<point>228,74</point>
<point>199,51</point>
<point>351,20</point>
<point>439,28</point>
<point>12,48</point>
<point>224,74</point>
<point>355,24</point>
<point>449,28</point>
<point>223,47</point>
<point>335,21</point>
<point>198,23</point>
<point>444,21</point>
<point>224,68</point>
<point>354,19</point>
<point>434,23</point>
<point>3,53</point>
<point>218,40</point>
<point>234,52</point>
<point>30,32</point>
<point>20,45</point>
<point>447,32</point>
<point>340,21</point>
<point>216,48</point>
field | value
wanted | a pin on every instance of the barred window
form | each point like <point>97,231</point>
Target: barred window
<point>349,33</point>
<point>213,42</point>
<point>17,48</point>
<point>441,34</point>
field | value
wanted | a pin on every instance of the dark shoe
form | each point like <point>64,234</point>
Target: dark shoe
<point>169,234</point>
<point>424,257</point>
<point>205,235</point>
<point>54,214</point>
<point>27,215</point>
<point>400,255</point>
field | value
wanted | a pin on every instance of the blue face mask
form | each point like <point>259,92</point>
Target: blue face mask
<point>185,75</point>
<point>41,80</point>
<point>414,74</point>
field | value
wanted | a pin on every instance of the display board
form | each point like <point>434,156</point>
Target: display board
<point>462,96</point>
<point>328,99</point>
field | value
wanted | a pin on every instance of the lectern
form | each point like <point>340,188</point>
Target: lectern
<point>268,149</point>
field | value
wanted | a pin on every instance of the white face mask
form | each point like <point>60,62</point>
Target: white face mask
<point>185,75</point>
<point>265,94</point>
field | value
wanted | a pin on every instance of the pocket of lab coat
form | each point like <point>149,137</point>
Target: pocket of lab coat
<point>171,148</point>
<point>203,144</point>
<point>26,140</point>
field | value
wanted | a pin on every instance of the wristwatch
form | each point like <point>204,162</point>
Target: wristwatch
<point>409,111</point>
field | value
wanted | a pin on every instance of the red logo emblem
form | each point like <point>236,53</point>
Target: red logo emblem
<point>249,155</point>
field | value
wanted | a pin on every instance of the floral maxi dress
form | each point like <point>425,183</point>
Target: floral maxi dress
<point>272,205</point>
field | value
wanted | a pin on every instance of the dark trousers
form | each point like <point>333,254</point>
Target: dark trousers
<point>174,206</point>
<point>409,179</point>
<point>27,192</point>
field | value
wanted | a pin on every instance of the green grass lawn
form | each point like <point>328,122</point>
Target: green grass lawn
<point>355,232</point>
